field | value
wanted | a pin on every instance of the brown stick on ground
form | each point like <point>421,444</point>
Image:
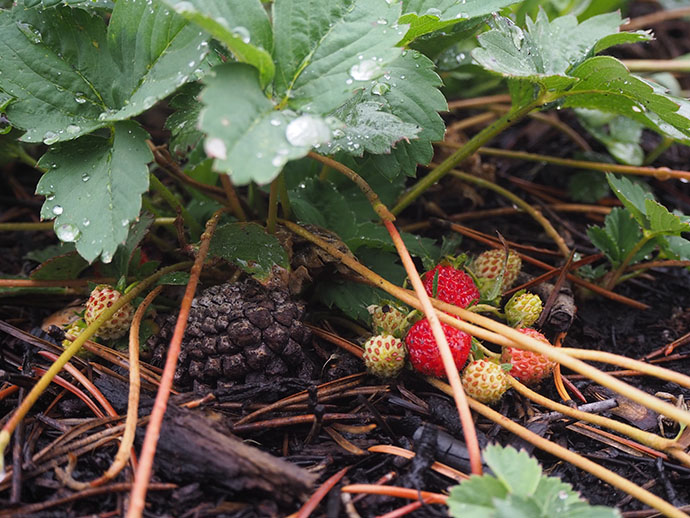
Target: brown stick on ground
<point>194,447</point>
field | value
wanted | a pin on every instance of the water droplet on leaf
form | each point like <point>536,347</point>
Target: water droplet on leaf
<point>307,131</point>
<point>364,71</point>
<point>215,148</point>
<point>50,137</point>
<point>67,232</point>
<point>57,210</point>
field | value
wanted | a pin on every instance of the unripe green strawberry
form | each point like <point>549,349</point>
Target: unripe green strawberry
<point>485,381</point>
<point>529,367</point>
<point>523,309</point>
<point>384,355</point>
<point>388,319</point>
<point>102,297</point>
<point>72,331</point>
<point>489,265</point>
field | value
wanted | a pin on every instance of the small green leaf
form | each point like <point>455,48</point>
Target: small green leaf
<point>661,221</point>
<point>93,188</point>
<point>183,122</point>
<point>546,51</point>
<point>426,16</point>
<point>517,506</point>
<point>518,471</point>
<point>174,279</point>
<point>588,186</point>
<point>603,83</point>
<point>241,25</point>
<point>474,497</point>
<point>675,247</point>
<point>632,195</point>
<point>619,134</point>
<point>61,267</point>
<point>248,246</point>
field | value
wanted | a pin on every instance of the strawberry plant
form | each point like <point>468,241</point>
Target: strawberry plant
<point>269,140</point>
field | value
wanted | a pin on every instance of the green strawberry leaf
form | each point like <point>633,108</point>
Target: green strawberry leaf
<point>69,75</point>
<point>603,83</point>
<point>248,138</point>
<point>182,123</point>
<point>366,126</point>
<point>517,506</point>
<point>618,237</point>
<point>84,4</point>
<point>588,186</point>
<point>93,188</point>
<point>325,50</point>
<point>545,52</point>
<point>426,16</point>
<point>519,472</point>
<point>675,247</point>
<point>67,266</point>
<point>661,221</point>
<point>409,91</point>
<point>241,25</point>
<point>475,496</point>
<point>619,134</point>
<point>320,203</point>
<point>119,266</point>
<point>248,246</point>
<point>632,196</point>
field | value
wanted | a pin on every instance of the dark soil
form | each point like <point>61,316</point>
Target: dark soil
<point>210,480</point>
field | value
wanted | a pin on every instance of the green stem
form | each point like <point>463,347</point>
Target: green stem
<point>284,196</point>
<point>465,151</point>
<point>273,206</point>
<point>611,282</point>
<point>172,200</point>
<point>655,153</point>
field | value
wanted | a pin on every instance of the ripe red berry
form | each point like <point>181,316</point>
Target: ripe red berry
<point>102,297</point>
<point>485,381</point>
<point>528,367</point>
<point>423,351</point>
<point>384,355</point>
<point>454,286</point>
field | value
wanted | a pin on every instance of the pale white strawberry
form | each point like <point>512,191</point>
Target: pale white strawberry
<point>384,355</point>
<point>102,297</point>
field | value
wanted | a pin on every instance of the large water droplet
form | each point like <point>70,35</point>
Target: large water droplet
<point>215,148</point>
<point>50,137</point>
<point>242,33</point>
<point>67,232</point>
<point>31,32</point>
<point>364,71</point>
<point>106,257</point>
<point>185,7</point>
<point>57,210</point>
<point>380,88</point>
<point>307,131</point>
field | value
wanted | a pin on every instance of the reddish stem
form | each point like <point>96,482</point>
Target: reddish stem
<point>446,355</point>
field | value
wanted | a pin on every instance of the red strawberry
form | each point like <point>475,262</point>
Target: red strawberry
<point>528,367</point>
<point>489,265</point>
<point>104,296</point>
<point>485,381</point>
<point>384,355</point>
<point>424,354</point>
<point>454,286</point>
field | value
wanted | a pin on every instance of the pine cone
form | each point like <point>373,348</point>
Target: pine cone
<point>238,332</point>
